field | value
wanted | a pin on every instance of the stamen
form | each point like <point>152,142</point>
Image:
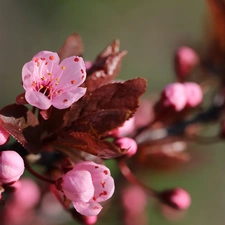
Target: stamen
<point>73,81</point>
<point>51,57</point>
<point>63,67</point>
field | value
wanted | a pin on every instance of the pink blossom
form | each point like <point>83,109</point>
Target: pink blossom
<point>4,136</point>
<point>185,59</point>
<point>87,184</point>
<point>194,94</point>
<point>177,198</point>
<point>127,143</point>
<point>48,81</point>
<point>11,166</point>
<point>174,95</point>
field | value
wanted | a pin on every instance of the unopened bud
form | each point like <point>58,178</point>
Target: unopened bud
<point>4,136</point>
<point>90,220</point>
<point>127,143</point>
<point>194,94</point>
<point>174,95</point>
<point>176,198</point>
<point>185,59</point>
<point>11,166</point>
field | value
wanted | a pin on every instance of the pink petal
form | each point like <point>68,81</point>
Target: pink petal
<point>27,72</point>
<point>45,62</point>
<point>74,71</point>
<point>66,99</point>
<point>37,99</point>
<point>78,186</point>
<point>88,209</point>
<point>103,189</point>
<point>98,172</point>
<point>4,136</point>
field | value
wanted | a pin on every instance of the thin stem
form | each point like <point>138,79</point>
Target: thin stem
<point>37,175</point>
<point>127,173</point>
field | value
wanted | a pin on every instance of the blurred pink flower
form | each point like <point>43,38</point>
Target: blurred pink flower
<point>87,184</point>
<point>174,95</point>
<point>194,94</point>
<point>176,198</point>
<point>48,82</point>
<point>4,136</point>
<point>11,166</point>
<point>185,59</point>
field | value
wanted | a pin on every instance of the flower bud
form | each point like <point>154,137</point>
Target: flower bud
<point>176,198</point>
<point>127,143</point>
<point>90,220</point>
<point>4,136</point>
<point>174,95</point>
<point>185,59</point>
<point>11,166</point>
<point>86,185</point>
<point>194,94</point>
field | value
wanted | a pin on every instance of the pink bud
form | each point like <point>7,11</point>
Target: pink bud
<point>87,184</point>
<point>134,200</point>
<point>4,136</point>
<point>185,59</point>
<point>11,166</point>
<point>90,220</point>
<point>176,198</point>
<point>27,194</point>
<point>88,64</point>
<point>127,143</point>
<point>174,95</point>
<point>194,94</point>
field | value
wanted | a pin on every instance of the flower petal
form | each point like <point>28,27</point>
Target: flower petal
<point>103,189</point>
<point>87,209</point>
<point>37,99</point>
<point>98,172</point>
<point>66,99</point>
<point>74,71</point>
<point>27,72</point>
<point>78,186</point>
<point>45,62</point>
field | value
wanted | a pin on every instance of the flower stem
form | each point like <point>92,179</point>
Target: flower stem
<point>127,173</point>
<point>37,175</point>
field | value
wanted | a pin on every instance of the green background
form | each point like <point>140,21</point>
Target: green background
<point>150,30</point>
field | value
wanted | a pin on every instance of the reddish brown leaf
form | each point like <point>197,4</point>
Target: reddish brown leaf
<point>114,47</point>
<point>72,46</point>
<point>23,125</point>
<point>122,96</point>
<point>105,71</point>
<point>98,123</point>
<point>87,143</point>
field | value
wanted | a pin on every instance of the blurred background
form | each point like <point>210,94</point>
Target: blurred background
<point>150,30</point>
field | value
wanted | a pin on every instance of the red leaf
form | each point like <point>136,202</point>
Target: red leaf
<point>121,96</point>
<point>87,143</point>
<point>72,46</point>
<point>23,125</point>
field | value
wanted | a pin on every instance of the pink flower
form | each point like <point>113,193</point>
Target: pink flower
<point>48,82</point>
<point>174,95</point>
<point>4,136</point>
<point>176,198</point>
<point>87,184</point>
<point>11,166</point>
<point>194,94</point>
<point>185,59</point>
<point>127,143</point>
